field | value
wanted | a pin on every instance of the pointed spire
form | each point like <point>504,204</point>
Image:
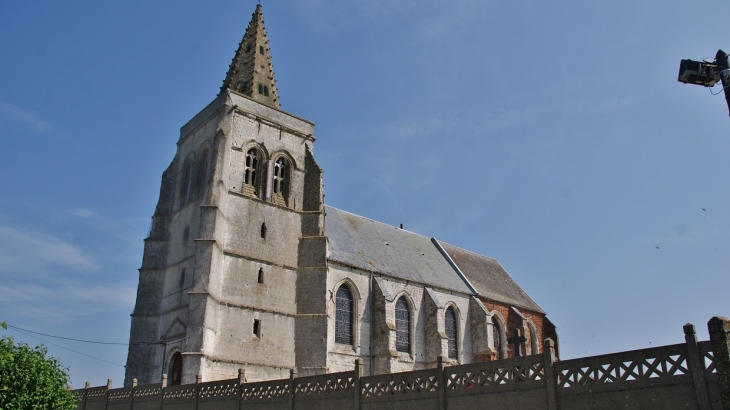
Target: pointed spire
<point>251,73</point>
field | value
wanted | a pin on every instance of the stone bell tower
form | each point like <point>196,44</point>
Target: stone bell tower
<point>231,267</point>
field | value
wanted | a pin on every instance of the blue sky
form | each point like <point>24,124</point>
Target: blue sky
<point>552,137</point>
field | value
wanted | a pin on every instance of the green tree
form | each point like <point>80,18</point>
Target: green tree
<point>29,379</point>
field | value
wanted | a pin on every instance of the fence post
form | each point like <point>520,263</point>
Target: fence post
<point>86,392</point>
<point>131,394</point>
<point>356,382</point>
<point>163,386</point>
<point>239,388</point>
<point>198,379</point>
<point>441,383</point>
<point>292,387</point>
<point>548,354</point>
<point>696,367</point>
<point>106,394</point>
<point>719,328</point>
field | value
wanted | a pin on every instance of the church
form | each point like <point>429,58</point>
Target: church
<point>245,267</point>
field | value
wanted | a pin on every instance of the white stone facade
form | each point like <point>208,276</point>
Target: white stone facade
<point>243,261</point>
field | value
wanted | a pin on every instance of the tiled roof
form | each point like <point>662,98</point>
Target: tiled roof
<point>374,246</point>
<point>489,278</point>
<point>370,245</point>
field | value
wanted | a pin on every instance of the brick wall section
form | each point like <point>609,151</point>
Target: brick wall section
<point>514,321</point>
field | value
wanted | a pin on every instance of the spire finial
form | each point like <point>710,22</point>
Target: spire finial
<point>252,73</point>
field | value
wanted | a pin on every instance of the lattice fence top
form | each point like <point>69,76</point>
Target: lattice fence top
<point>265,390</point>
<point>649,366</point>
<point>496,375</point>
<point>120,394</point>
<point>151,391</point>
<point>218,390</point>
<point>408,383</point>
<point>79,394</point>
<point>708,358</point>
<point>183,392</point>
<point>96,393</point>
<point>328,383</point>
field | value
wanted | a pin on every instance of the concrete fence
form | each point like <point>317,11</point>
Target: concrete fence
<point>690,375</point>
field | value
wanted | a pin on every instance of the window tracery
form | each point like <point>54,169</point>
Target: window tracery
<point>402,326</point>
<point>251,172</point>
<point>497,336</point>
<point>450,327</point>
<point>280,188</point>
<point>343,316</point>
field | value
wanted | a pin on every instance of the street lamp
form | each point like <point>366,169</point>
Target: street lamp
<point>707,73</point>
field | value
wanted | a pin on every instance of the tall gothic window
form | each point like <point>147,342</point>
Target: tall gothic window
<point>187,180</point>
<point>402,326</point>
<point>176,369</point>
<point>497,336</point>
<point>343,316</point>
<point>450,325</point>
<point>251,173</point>
<point>201,174</point>
<point>280,176</point>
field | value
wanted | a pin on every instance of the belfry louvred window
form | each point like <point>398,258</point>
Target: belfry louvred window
<point>250,174</point>
<point>402,326</point>
<point>450,327</point>
<point>343,316</point>
<point>280,170</point>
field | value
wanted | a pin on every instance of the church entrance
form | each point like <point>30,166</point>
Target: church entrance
<point>176,369</point>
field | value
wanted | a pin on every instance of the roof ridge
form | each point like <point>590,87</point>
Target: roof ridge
<point>376,221</point>
<point>472,252</point>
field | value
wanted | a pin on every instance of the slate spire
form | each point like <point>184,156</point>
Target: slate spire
<point>251,73</point>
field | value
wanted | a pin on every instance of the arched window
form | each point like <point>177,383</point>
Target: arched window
<point>187,180</point>
<point>343,316</point>
<point>281,169</point>
<point>263,230</point>
<point>402,326</point>
<point>201,175</point>
<point>176,369</point>
<point>533,338</point>
<point>450,327</point>
<point>261,88</point>
<point>248,47</point>
<point>497,335</point>
<point>266,90</point>
<point>261,49</point>
<point>251,172</point>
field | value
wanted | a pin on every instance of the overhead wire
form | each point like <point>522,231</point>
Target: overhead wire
<point>82,340</point>
<point>65,348</point>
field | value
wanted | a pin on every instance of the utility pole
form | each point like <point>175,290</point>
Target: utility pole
<point>722,66</point>
<point>707,73</point>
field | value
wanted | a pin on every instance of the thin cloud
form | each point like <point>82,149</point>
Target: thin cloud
<point>20,115</point>
<point>125,229</point>
<point>63,302</point>
<point>23,250</point>
<point>84,213</point>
